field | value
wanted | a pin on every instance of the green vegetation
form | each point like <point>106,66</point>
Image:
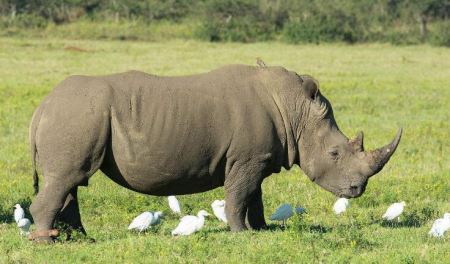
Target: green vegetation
<point>375,88</point>
<point>292,21</point>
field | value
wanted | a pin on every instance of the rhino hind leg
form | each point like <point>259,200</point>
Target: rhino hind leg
<point>69,216</point>
<point>255,211</point>
<point>54,196</point>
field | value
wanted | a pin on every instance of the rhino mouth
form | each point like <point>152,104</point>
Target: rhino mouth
<point>347,192</point>
<point>352,192</point>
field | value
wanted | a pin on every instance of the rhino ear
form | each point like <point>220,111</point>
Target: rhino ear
<point>311,88</point>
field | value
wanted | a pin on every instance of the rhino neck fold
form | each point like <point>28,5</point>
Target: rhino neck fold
<point>289,133</point>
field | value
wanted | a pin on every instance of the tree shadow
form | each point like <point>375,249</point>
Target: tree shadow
<point>7,214</point>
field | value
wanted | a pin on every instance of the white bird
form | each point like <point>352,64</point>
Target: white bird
<point>394,211</point>
<point>143,221</point>
<point>174,204</point>
<point>19,213</point>
<point>340,206</point>
<point>440,226</point>
<point>24,225</point>
<point>219,210</point>
<point>190,224</point>
<point>282,213</point>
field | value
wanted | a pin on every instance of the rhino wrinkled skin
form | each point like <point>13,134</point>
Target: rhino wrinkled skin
<point>231,127</point>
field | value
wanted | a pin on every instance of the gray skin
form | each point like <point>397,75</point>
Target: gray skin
<point>231,127</point>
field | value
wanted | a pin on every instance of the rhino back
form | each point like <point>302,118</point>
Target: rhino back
<point>173,132</point>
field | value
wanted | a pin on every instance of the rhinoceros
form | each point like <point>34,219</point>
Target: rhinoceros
<point>231,127</point>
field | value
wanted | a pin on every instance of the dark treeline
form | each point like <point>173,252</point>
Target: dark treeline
<point>294,21</point>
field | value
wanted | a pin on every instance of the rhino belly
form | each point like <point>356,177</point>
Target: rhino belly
<point>158,172</point>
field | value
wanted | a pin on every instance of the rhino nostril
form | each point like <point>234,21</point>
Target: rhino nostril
<point>353,188</point>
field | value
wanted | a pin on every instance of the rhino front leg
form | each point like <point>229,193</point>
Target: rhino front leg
<point>255,212</point>
<point>242,189</point>
<point>235,210</point>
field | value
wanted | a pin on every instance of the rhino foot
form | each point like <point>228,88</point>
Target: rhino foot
<point>44,237</point>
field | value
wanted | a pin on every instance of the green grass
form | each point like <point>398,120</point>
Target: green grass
<point>375,88</point>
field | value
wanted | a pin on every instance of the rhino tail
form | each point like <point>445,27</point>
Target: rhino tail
<point>33,127</point>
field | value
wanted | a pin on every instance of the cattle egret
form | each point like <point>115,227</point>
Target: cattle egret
<point>394,211</point>
<point>24,225</point>
<point>440,226</point>
<point>19,213</point>
<point>174,204</point>
<point>190,224</point>
<point>282,213</point>
<point>219,210</point>
<point>340,206</point>
<point>143,221</point>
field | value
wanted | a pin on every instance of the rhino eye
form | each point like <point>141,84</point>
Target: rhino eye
<point>334,154</point>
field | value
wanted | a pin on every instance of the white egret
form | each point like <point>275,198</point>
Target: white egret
<point>190,224</point>
<point>143,221</point>
<point>19,213</point>
<point>440,226</point>
<point>394,211</point>
<point>340,206</point>
<point>24,225</point>
<point>174,204</point>
<point>219,210</point>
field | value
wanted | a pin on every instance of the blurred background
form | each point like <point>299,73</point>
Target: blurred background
<point>291,21</point>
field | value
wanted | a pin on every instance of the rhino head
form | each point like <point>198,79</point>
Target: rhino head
<point>327,156</point>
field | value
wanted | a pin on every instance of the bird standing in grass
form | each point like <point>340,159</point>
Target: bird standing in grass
<point>19,213</point>
<point>340,206</point>
<point>440,226</point>
<point>394,211</point>
<point>174,204</point>
<point>24,226</point>
<point>190,224</point>
<point>282,213</point>
<point>219,210</point>
<point>143,221</point>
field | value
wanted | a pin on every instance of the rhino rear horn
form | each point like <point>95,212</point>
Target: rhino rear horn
<point>358,142</point>
<point>379,157</point>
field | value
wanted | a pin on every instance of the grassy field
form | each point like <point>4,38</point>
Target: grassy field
<point>375,88</point>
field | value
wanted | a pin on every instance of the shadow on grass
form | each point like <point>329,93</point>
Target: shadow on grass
<point>7,214</point>
<point>314,228</point>
<point>217,230</point>
<point>410,220</point>
<point>274,228</point>
<point>320,229</point>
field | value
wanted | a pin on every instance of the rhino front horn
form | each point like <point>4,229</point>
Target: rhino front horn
<point>379,157</point>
